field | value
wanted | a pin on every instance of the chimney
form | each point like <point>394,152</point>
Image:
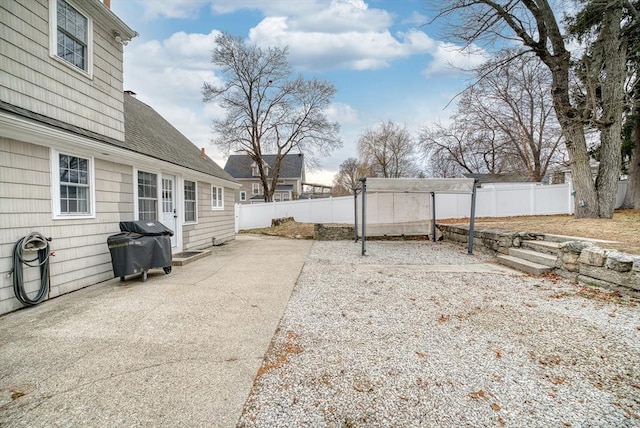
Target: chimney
<point>107,3</point>
<point>131,93</point>
<point>203,155</point>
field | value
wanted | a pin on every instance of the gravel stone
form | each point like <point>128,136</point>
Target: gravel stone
<point>398,338</point>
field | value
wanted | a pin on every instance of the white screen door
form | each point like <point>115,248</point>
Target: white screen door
<point>169,213</point>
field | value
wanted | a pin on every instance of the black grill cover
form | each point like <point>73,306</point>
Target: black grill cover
<point>145,227</point>
<point>134,253</point>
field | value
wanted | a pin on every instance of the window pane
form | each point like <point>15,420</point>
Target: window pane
<point>190,211</point>
<point>72,34</point>
<point>74,185</point>
<point>147,196</point>
<point>82,193</point>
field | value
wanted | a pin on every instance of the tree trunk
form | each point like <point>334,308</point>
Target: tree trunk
<point>585,201</point>
<point>614,58</point>
<point>632,197</point>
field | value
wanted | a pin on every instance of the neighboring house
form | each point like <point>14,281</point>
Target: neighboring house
<point>562,174</point>
<point>77,155</point>
<point>246,172</point>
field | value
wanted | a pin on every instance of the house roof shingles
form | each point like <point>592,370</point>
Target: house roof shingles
<point>239,166</point>
<point>149,133</point>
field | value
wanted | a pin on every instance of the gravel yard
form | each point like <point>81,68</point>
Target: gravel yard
<point>422,334</point>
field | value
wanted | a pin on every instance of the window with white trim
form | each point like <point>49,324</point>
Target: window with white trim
<point>277,197</point>
<point>217,197</point>
<point>243,196</point>
<point>71,34</point>
<point>255,188</point>
<point>190,202</point>
<point>73,185</point>
<point>147,196</point>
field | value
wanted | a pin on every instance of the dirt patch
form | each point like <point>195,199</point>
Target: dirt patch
<point>286,229</point>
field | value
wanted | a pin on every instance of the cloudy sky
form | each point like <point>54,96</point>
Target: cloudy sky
<point>384,58</point>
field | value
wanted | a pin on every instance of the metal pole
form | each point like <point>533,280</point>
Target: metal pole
<point>364,210</point>
<point>433,217</point>
<point>472,218</point>
<point>355,214</point>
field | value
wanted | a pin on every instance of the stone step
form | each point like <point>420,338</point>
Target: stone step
<point>523,265</point>
<point>186,257</point>
<point>546,247</point>
<point>565,238</point>
<point>534,256</point>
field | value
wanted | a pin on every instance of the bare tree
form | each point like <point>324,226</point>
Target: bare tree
<point>389,149</point>
<point>514,101</point>
<point>534,23</point>
<point>347,178</point>
<point>462,147</point>
<point>267,110</point>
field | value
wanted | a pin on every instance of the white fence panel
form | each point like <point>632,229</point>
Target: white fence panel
<point>491,201</point>
<point>327,210</point>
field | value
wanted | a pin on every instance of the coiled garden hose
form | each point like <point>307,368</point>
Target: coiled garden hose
<point>30,243</point>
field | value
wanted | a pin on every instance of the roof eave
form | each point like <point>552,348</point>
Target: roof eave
<point>110,20</point>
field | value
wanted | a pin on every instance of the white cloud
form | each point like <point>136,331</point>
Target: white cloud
<point>448,58</point>
<point>343,113</point>
<point>344,16</point>
<point>352,50</point>
<point>416,18</point>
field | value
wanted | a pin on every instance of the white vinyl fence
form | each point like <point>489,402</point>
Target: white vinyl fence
<point>329,210</point>
<point>500,200</point>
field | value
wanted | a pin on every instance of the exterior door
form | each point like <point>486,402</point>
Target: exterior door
<point>169,212</point>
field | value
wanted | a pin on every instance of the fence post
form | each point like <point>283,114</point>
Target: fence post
<point>236,209</point>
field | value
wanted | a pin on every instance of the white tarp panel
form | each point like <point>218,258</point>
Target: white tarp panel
<point>420,185</point>
<point>396,214</point>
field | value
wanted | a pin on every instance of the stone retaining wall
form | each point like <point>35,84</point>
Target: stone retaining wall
<point>577,260</point>
<point>496,240</point>
<point>323,232</point>
<point>591,264</point>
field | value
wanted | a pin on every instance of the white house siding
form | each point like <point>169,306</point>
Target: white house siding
<point>212,224</point>
<point>54,89</point>
<point>81,257</point>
